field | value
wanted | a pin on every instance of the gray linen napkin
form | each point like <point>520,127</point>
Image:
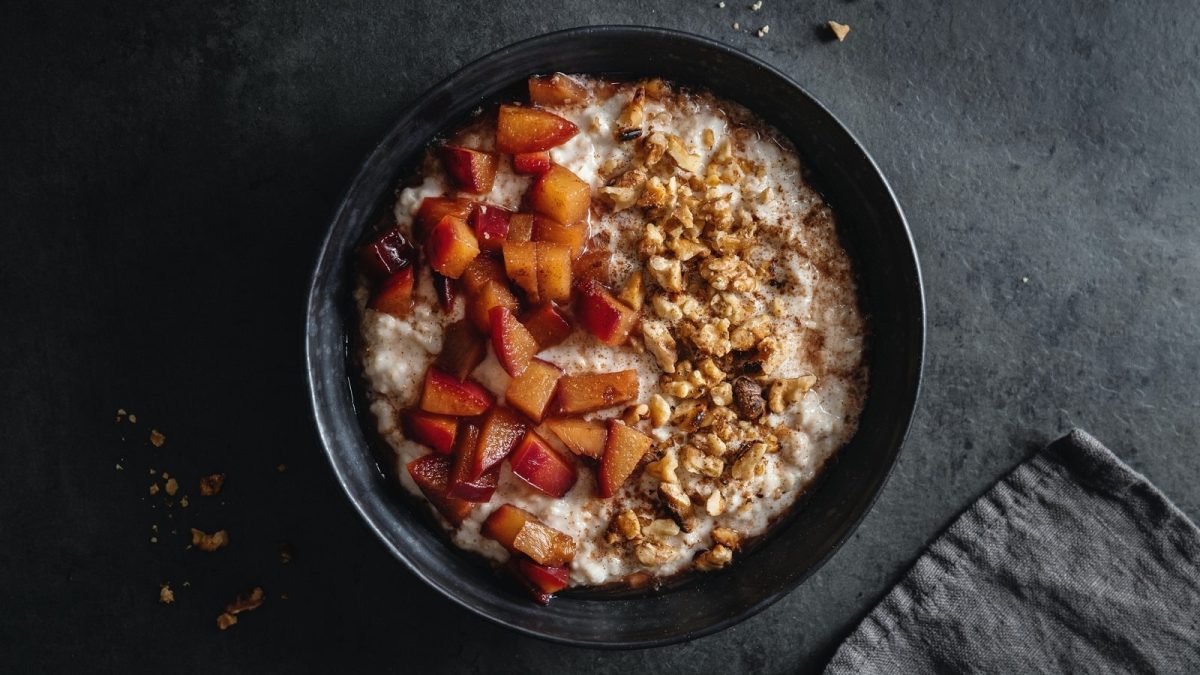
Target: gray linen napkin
<point>1074,562</point>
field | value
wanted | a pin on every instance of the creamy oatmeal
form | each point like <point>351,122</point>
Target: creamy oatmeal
<point>674,302</point>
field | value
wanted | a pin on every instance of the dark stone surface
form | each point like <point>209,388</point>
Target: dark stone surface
<point>168,169</point>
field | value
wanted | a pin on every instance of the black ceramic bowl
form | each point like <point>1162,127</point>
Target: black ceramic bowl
<point>872,228</point>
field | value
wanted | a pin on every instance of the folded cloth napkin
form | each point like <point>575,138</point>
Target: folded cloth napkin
<point>1074,563</point>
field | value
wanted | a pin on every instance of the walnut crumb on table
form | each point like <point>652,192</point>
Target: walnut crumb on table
<point>211,484</point>
<point>165,595</point>
<point>244,603</point>
<point>210,542</point>
<point>157,439</point>
<point>839,30</point>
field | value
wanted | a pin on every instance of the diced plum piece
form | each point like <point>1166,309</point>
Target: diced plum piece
<point>387,254</point>
<point>561,195</point>
<point>463,348</point>
<point>531,392</point>
<point>587,392</point>
<point>532,163</point>
<point>446,290</point>
<point>603,315</point>
<point>490,223</point>
<point>436,431</point>
<point>540,465</point>
<point>431,473</point>
<point>556,89</point>
<point>573,236</point>
<point>547,326</point>
<point>483,268</point>
<point>553,272</point>
<point>513,570</point>
<point>520,226</point>
<point>522,129</point>
<point>492,295</point>
<point>513,344</point>
<point>451,247</point>
<point>623,449</point>
<point>394,296</point>
<point>473,170</point>
<point>521,532</point>
<point>582,437</point>
<point>547,579</point>
<point>433,209</point>
<point>595,264</point>
<point>462,485</point>
<point>502,429</point>
<point>521,265</point>
<point>445,394</point>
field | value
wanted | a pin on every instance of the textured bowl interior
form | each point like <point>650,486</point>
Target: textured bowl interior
<point>872,228</point>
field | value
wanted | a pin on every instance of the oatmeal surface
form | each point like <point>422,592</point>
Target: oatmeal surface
<point>750,350</point>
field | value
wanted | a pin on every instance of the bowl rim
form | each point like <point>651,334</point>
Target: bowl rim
<point>313,299</point>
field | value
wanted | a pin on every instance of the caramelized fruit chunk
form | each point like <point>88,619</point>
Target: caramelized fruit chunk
<point>582,437</point>
<point>520,129</point>
<point>520,264</point>
<point>540,581</point>
<point>490,296</point>
<point>596,264</point>
<point>433,209</point>
<point>387,254</point>
<point>462,485</point>
<point>553,272</point>
<point>556,89</point>
<point>561,195</point>
<point>502,429</point>
<point>431,473</point>
<point>490,223</point>
<point>521,532</point>
<point>520,226</point>
<point>472,170</point>
<point>446,290</point>
<point>595,391</point>
<point>394,296</point>
<point>547,325</point>
<point>532,163</point>
<point>436,431</point>
<point>451,246</point>
<point>535,462</point>
<point>463,348</point>
<point>623,449</point>
<point>572,236</point>
<point>445,394</point>
<point>483,268</point>
<point>514,346</point>
<point>530,393</point>
<point>603,315</point>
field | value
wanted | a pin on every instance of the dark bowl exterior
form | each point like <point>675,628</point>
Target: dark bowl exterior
<point>873,230</point>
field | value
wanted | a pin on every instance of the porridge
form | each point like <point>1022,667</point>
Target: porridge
<point>610,333</point>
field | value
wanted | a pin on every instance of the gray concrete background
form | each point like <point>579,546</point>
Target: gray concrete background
<point>168,170</point>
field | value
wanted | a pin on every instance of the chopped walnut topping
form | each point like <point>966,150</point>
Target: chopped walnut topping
<point>211,485</point>
<point>715,504</point>
<point>210,542</point>
<point>696,461</point>
<point>668,273</point>
<point>679,389</point>
<point>172,486</point>
<point>634,413</point>
<point>713,559</point>
<point>660,411</point>
<point>683,158</point>
<point>686,249</point>
<point>633,292</point>
<point>746,465</point>
<point>709,138</point>
<point>678,503</point>
<point>225,620</point>
<point>153,489</point>
<point>165,595</point>
<point>245,602</point>
<point>664,468</point>
<point>747,394</point>
<point>785,392</point>
<point>713,338</point>
<point>660,343</point>
<point>632,116</point>
<point>665,309</point>
<point>722,394</point>
<point>661,529</point>
<point>653,553</point>
<point>157,439</point>
<point>656,147</point>
<point>629,525</point>
<point>726,537</point>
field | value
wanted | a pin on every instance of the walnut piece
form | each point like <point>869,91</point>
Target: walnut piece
<point>211,484</point>
<point>715,504</point>
<point>839,30</point>
<point>746,465</point>
<point>660,343</point>
<point>210,542</point>
<point>678,504</point>
<point>660,411</point>
<point>714,559</point>
<point>664,468</point>
<point>727,537</point>
<point>652,553</point>
<point>629,525</point>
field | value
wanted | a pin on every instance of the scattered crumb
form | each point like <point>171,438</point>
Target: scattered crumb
<point>211,484</point>
<point>165,475</point>
<point>120,468</point>
<point>1024,280</point>
<point>840,30</point>
<point>285,554</point>
<point>756,6</point>
<point>762,32</point>
<point>244,603</point>
<point>736,26</point>
<point>210,542</point>
<point>187,584</point>
<point>183,502</point>
<point>172,486</point>
<point>284,596</point>
<point>165,595</point>
<point>153,540</point>
<point>152,472</point>
<point>721,4</point>
<point>157,438</point>
<point>132,419</point>
<point>154,488</point>
<point>281,468</point>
